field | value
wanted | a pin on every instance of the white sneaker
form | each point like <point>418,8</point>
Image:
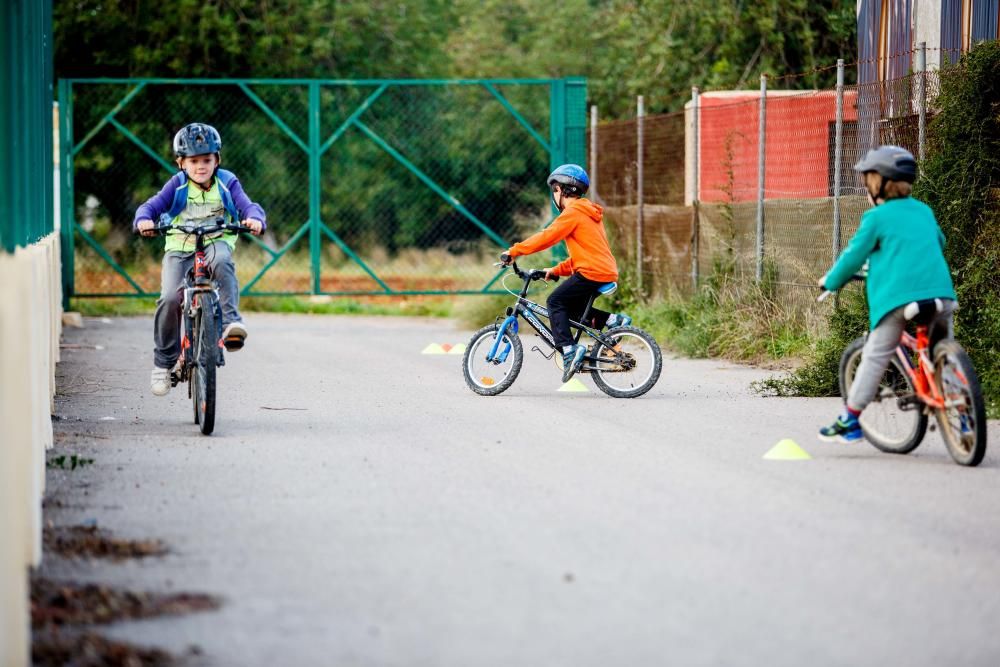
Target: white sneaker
<point>234,336</point>
<point>159,381</point>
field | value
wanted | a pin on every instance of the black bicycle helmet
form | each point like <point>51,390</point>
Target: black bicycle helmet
<point>572,178</point>
<point>197,139</point>
<point>892,162</point>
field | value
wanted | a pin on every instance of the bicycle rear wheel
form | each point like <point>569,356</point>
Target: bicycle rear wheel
<point>489,378</point>
<point>630,366</point>
<point>205,348</point>
<point>963,419</point>
<point>884,424</point>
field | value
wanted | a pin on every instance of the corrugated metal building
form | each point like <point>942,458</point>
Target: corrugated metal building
<point>890,30</point>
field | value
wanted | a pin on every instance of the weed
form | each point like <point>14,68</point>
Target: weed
<point>63,462</point>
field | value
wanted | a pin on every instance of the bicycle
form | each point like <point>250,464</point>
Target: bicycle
<point>925,376</point>
<point>625,362</point>
<point>201,321</point>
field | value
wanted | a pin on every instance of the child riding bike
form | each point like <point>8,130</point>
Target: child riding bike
<point>900,239</point>
<point>199,190</point>
<point>589,266</point>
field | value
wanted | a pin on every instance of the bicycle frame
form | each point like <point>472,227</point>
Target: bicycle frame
<point>921,375</point>
<point>529,310</point>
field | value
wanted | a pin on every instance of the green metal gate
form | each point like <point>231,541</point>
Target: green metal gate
<point>370,186</point>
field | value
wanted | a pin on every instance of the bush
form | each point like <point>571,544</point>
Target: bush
<point>961,182</point>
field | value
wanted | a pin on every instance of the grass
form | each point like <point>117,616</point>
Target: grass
<point>729,319</point>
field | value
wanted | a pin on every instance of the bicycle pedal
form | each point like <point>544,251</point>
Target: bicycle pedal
<point>233,343</point>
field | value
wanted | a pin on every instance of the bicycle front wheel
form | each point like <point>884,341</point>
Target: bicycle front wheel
<point>486,377</point>
<point>630,366</point>
<point>963,419</point>
<point>889,428</point>
<point>206,360</point>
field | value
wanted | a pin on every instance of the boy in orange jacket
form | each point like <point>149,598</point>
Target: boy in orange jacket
<point>589,266</point>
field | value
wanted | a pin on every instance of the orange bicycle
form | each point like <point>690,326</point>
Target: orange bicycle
<point>924,377</point>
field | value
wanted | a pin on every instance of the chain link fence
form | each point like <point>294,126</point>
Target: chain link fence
<point>370,187</point>
<point>772,201</point>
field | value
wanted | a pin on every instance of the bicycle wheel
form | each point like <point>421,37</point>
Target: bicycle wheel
<point>205,349</point>
<point>489,378</point>
<point>631,367</point>
<point>884,424</point>
<point>963,419</point>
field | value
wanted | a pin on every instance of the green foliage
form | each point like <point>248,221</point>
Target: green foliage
<point>819,375</point>
<point>961,182</point>
<point>728,318</point>
<point>658,48</point>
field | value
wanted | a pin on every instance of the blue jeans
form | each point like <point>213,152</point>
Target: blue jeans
<point>167,319</point>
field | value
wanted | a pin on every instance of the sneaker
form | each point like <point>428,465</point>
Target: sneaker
<point>845,430</point>
<point>234,335</point>
<point>618,320</point>
<point>159,381</point>
<point>572,361</point>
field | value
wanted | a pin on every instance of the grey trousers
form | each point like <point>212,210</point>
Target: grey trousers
<point>167,319</point>
<point>881,347</point>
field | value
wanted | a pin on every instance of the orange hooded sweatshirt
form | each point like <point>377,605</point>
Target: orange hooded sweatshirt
<point>581,224</point>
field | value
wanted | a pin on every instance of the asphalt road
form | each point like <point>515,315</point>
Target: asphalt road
<point>358,505</point>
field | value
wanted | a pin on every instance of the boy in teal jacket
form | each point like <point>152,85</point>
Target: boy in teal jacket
<point>903,245</point>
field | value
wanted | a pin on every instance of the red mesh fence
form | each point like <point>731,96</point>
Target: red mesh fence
<point>803,226</point>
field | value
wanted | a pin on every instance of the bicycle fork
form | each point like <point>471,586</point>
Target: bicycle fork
<point>496,355</point>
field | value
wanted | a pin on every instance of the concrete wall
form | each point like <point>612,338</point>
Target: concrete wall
<point>30,326</point>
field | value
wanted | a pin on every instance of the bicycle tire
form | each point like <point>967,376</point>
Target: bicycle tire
<point>206,357</point>
<point>646,382</point>
<point>954,372</point>
<point>481,378</point>
<point>885,425</point>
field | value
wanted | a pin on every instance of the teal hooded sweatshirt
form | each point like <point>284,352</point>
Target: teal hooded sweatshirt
<point>904,246</point>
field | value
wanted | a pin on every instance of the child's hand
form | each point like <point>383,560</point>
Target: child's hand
<point>255,225</point>
<point>146,227</point>
<point>549,275</point>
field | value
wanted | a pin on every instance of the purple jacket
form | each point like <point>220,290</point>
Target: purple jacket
<point>161,202</point>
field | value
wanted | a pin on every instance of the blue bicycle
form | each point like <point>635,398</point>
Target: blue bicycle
<point>625,362</point>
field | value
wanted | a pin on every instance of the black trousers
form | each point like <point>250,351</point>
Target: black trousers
<point>567,301</point>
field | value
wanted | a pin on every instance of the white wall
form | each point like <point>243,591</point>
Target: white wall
<point>30,326</point>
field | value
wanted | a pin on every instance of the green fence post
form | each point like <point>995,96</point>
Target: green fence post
<point>314,186</point>
<point>567,131</point>
<point>67,223</point>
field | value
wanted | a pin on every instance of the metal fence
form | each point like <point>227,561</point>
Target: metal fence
<point>25,122</point>
<point>755,183</point>
<point>370,187</point>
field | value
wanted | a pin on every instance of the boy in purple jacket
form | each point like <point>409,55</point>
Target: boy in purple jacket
<point>199,190</point>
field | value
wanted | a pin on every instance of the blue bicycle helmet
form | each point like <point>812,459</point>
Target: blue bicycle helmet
<point>572,178</point>
<point>197,139</point>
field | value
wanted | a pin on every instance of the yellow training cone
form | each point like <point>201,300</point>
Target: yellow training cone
<point>787,450</point>
<point>433,348</point>
<point>457,348</point>
<point>573,385</point>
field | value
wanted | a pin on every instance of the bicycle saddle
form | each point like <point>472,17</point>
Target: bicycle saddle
<point>607,288</point>
<point>923,312</point>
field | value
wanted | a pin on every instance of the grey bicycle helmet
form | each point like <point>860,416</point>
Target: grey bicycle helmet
<point>197,139</point>
<point>892,162</point>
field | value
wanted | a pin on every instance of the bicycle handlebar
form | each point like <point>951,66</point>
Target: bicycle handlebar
<point>859,277</point>
<point>198,226</point>
<point>530,274</point>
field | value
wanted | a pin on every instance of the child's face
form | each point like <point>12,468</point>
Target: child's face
<point>199,168</point>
